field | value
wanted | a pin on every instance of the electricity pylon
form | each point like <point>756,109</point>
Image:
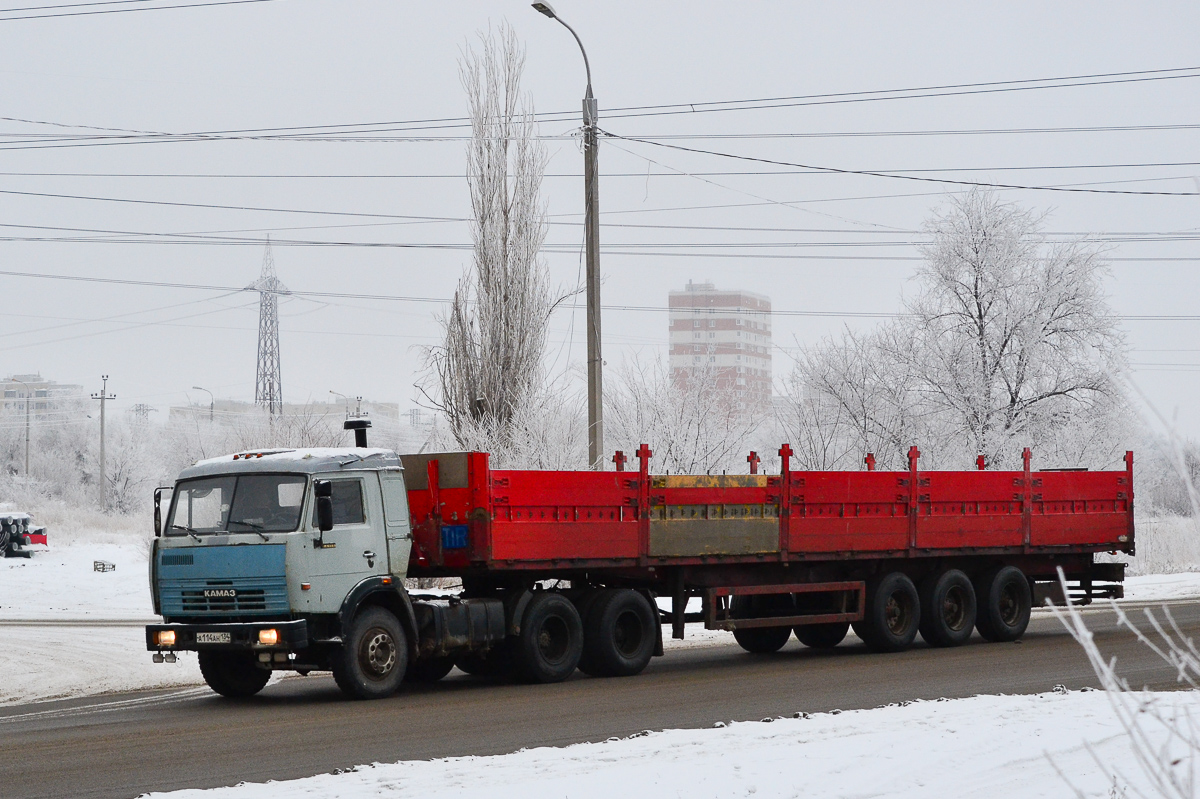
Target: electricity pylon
<point>268,389</point>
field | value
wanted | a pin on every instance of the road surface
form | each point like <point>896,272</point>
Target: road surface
<point>124,745</point>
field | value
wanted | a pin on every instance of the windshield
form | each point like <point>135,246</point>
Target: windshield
<point>263,503</point>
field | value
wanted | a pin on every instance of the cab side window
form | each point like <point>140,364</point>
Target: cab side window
<point>347,503</point>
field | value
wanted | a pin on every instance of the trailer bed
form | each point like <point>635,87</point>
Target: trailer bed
<point>467,516</point>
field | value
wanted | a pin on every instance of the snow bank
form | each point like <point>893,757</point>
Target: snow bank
<point>983,747</point>
<point>42,662</point>
<point>61,584</point>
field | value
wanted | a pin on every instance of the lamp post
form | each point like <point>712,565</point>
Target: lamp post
<point>28,394</point>
<point>591,228</point>
<point>211,401</point>
<point>358,414</point>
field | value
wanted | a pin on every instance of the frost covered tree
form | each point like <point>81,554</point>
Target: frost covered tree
<point>1012,337</point>
<point>694,426</point>
<point>1008,342</point>
<point>489,365</point>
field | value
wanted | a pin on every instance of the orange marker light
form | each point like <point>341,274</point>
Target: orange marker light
<point>166,638</point>
<point>305,586</point>
<point>268,637</point>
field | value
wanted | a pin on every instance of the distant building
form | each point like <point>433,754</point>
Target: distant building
<point>231,411</point>
<point>43,395</point>
<point>726,332</point>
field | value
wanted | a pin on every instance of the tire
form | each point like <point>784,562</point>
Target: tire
<point>5,540</point>
<point>496,663</point>
<point>618,634</point>
<point>373,657</point>
<point>822,636</point>
<point>232,674</point>
<point>892,615</point>
<point>428,670</point>
<point>761,640</point>
<point>948,608</point>
<point>1004,602</point>
<point>551,639</point>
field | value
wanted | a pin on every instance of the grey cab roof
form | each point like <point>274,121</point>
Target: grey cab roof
<point>298,461</point>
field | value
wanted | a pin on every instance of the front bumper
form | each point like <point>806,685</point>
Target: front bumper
<point>292,635</point>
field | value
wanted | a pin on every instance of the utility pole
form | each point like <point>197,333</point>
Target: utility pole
<point>591,228</point>
<point>104,397</point>
<point>28,394</point>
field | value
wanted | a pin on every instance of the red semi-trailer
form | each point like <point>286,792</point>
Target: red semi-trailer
<point>563,570</point>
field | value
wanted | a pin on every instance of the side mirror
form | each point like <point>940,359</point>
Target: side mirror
<point>323,490</point>
<point>158,509</point>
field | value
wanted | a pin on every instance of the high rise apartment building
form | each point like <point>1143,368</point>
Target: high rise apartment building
<point>727,333</point>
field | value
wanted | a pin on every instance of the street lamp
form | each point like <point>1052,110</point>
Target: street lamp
<point>591,228</point>
<point>28,394</point>
<point>358,414</point>
<point>211,401</point>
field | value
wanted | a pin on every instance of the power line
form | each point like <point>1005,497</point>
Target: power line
<point>896,176</point>
<point>400,298</point>
<point>1027,84</point>
<point>119,10</point>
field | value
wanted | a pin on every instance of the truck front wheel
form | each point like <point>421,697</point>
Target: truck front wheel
<point>619,634</point>
<point>232,674</point>
<point>373,657</point>
<point>551,639</point>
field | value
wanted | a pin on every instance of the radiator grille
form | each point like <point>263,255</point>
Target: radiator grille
<point>235,597</point>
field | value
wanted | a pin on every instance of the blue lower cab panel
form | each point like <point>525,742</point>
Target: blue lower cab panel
<point>223,580</point>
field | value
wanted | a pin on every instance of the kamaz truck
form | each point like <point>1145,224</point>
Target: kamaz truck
<point>297,560</point>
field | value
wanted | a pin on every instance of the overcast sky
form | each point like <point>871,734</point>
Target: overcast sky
<point>830,243</point>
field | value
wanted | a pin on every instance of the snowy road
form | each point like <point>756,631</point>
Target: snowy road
<point>124,745</point>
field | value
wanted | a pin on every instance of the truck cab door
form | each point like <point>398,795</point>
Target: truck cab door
<point>395,511</point>
<point>356,547</point>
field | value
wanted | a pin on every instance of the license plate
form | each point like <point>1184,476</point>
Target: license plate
<point>213,638</point>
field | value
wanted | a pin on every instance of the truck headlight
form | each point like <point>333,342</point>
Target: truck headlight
<point>165,638</point>
<point>268,637</point>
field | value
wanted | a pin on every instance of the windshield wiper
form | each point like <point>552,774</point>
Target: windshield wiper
<point>258,528</point>
<point>190,531</point>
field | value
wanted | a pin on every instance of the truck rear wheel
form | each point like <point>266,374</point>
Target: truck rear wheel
<point>373,657</point>
<point>232,674</point>
<point>892,614</point>
<point>1004,604</point>
<point>761,640</point>
<point>948,608</point>
<point>822,636</point>
<point>618,634</point>
<point>551,639</point>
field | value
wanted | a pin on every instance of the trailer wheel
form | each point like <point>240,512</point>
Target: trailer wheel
<point>1004,604</point>
<point>892,614</point>
<point>822,636</point>
<point>232,674</point>
<point>428,670</point>
<point>618,634</point>
<point>373,657</point>
<point>5,539</point>
<point>761,640</point>
<point>551,640</point>
<point>948,608</point>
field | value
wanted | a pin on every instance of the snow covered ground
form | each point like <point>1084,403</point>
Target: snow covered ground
<point>61,585</point>
<point>983,747</point>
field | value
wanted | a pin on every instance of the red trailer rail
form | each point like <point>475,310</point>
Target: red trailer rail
<point>467,516</point>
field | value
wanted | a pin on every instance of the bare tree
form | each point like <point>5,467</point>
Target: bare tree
<point>490,362</point>
<point>694,427</point>
<point>1011,337</point>
<point>1009,342</point>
